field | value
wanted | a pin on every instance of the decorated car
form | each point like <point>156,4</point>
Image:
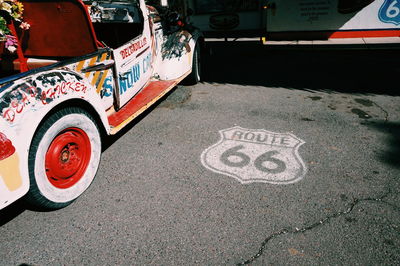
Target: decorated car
<point>73,72</point>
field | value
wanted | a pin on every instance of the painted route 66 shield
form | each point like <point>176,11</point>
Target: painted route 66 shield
<point>390,12</point>
<point>256,155</point>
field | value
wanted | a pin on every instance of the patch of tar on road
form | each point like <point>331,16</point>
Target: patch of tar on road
<point>362,107</point>
<point>321,222</point>
<point>315,98</point>
<point>360,113</point>
<point>364,102</point>
<point>202,92</point>
<point>368,103</point>
<point>177,98</point>
<point>307,119</point>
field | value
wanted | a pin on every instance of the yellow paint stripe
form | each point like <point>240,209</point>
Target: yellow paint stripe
<point>79,66</point>
<point>96,76</point>
<point>100,86</point>
<point>103,57</point>
<point>92,61</point>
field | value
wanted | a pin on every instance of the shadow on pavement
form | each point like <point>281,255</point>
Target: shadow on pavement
<point>346,71</point>
<point>16,208</point>
<point>12,211</point>
<point>107,141</point>
<point>391,155</point>
<point>358,72</point>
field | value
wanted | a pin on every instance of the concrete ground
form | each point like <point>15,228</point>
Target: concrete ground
<point>279,157</point>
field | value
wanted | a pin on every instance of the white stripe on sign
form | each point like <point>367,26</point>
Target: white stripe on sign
<point>256,155</point>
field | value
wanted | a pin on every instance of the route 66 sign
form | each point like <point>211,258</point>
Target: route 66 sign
<point>256,155</point>
<point>390,12</point>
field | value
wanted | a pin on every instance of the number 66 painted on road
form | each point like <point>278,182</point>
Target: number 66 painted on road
<point>258,163</point>
<point>256,155</point>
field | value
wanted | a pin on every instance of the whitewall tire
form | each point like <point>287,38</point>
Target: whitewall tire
<point>63,158</point>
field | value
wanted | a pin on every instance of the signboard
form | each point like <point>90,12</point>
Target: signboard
<point>333,15</point>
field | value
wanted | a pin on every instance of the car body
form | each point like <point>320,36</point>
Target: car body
<point>86,69</point>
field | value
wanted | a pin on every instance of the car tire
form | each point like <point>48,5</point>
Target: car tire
<point>195,76</point>
<point>63,158</point>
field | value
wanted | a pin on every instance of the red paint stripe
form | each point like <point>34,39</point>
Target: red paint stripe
<point>86,8</point>
<point>144,97</point>
<point>21,57</point>
<point>365,34</point>
<point>324,35</point>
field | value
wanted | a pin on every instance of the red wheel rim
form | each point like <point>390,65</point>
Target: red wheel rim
<point>68,157</point>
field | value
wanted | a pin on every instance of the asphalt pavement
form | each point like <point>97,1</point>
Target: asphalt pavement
<point>278,157</point>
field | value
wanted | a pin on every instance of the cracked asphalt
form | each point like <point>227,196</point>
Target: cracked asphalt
<point>154,203</point>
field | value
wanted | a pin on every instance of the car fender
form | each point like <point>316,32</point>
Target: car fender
<point>24,105</point>
<point>175,60</point>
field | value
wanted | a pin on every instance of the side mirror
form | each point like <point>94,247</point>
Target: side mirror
<point>173,18</point>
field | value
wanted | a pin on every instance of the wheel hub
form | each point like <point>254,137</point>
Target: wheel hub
<point>67,157</point>
<point>64,156</point>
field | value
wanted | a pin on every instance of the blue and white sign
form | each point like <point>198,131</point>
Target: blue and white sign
<point>390,12</point>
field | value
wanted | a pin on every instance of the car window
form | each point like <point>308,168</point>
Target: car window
<point>116,23</point>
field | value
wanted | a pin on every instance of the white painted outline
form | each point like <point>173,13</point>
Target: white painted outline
<point>295,153</point>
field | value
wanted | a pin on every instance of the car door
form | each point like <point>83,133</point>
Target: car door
<point>133,59</point>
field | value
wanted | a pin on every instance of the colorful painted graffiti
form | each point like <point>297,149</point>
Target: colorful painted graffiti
<point>129,78</point>
<point>43,89</point>
<point>176,45</point>
<point>9,164</point>
<point>102,80</point>
<point>107,88</point>
<point>132,48</point>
